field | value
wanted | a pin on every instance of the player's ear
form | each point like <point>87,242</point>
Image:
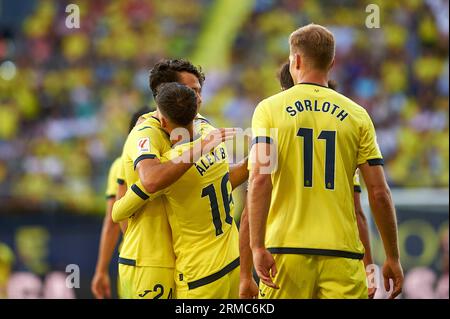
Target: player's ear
<point>298,61</point>
<point>164,123</point>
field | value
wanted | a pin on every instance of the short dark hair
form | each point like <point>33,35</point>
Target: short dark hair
<point>177,102</point>
<point>332,85</point>
<point>285,77</point>
<point>135,117</point>
<point>167,71</point>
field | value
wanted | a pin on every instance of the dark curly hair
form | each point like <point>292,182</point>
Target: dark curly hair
<point>167,71</point>
<point>136,115</point>
<point>286,81</point>
<point>285,77</point>
<point>332,85</point>
<point>177,102</point>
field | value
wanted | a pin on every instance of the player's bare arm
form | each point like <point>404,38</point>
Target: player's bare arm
<point>259,197</point>
<point>363,229</point>
<point>156,175</point>
<point>101,283</point>
<point>248,289</point>
<point>239,173</point>
<point>383,211</point>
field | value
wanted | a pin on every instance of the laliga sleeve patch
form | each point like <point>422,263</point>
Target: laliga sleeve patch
<point>143,145</point>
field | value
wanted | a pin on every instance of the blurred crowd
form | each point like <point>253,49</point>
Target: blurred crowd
<point>66,95</point>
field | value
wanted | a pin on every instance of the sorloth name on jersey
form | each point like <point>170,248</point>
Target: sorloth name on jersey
<point>309,105</point>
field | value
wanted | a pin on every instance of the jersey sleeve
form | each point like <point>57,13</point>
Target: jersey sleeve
<point>145,143</point>
<point>111,187</point>
<point>132,201</point>
<point>261,128</point>
<point>369,151</point>
<point>261,125</point>
<point>356,182</point>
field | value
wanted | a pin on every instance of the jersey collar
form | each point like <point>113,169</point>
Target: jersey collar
<point>309,83</point>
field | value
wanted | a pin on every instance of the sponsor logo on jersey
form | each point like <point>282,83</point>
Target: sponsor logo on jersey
<point>144,145</point>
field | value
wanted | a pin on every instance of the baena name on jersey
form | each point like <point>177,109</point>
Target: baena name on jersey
<point>314,106</point>
<point>207,160</point>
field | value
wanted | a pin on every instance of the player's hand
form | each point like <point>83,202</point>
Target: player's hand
<point>265,266</point>
<point>371,289</point>
<point>101,285</point>
<point>248,289</point>
<point>371,292</point>
<point>217,136</point>
<point>392,269</point>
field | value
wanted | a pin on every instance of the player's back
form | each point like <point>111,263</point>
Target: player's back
<point>321,137</point>
<point>205,236</point>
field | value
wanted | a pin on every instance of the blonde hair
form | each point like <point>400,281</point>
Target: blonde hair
<point>314,43</point>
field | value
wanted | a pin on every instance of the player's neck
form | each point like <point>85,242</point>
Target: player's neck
<point>183,138</point>
<point>315,77</point>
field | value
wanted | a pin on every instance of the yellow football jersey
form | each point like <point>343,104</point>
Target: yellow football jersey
<point>200,209</point>
<point>146,116</point>
<point>148,238</point>
<point>111,187</point>
<point>321,137</point>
